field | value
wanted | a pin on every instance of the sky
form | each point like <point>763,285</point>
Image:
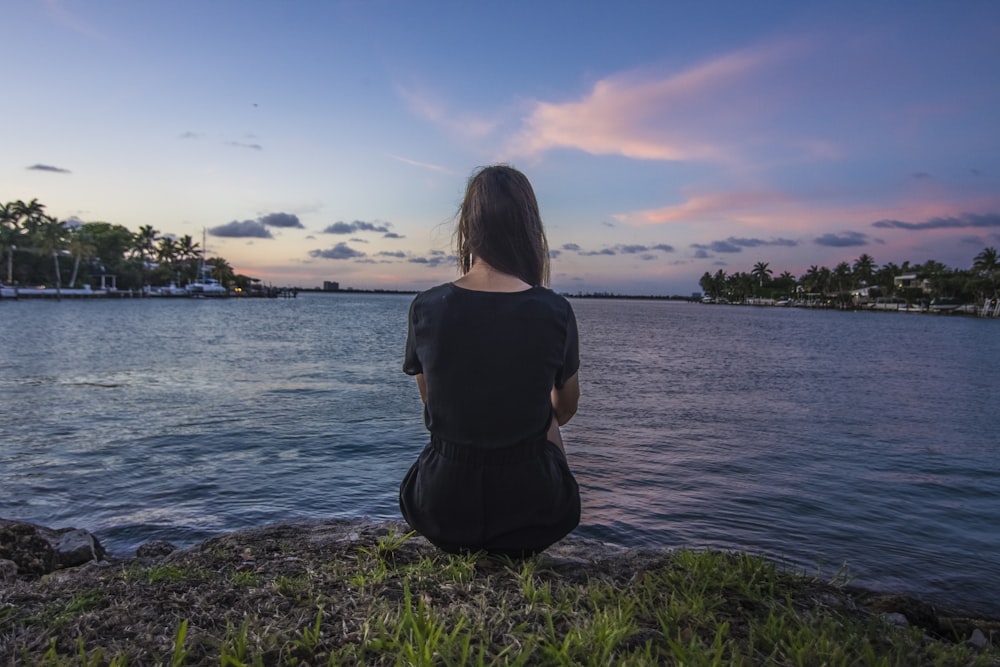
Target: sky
<point>316,141</point>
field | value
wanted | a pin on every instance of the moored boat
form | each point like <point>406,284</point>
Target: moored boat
<point>205,287</point>
<point>170,290</point>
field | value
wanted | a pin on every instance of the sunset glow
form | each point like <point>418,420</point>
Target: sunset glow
<point>332,140</point>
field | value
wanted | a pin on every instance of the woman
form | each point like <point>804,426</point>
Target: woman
<point>495,354</point>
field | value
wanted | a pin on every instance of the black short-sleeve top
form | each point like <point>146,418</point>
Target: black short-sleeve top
<point>490,361</point>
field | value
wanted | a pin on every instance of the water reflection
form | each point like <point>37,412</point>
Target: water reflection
<point>812,437</point>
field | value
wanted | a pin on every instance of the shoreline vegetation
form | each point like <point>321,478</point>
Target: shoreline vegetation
<point>359,592</point>
<point>43,256</point>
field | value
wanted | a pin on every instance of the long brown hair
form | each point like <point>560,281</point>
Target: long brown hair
<point>499,223</point>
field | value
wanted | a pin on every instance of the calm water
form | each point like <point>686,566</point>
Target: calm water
<point>818,438</point>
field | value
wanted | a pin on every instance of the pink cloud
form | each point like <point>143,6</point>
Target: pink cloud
<point>782,212</point>
<point>713,206</point>
<point>431,108</point>
<point>64,17</point>
<point>683,116</point>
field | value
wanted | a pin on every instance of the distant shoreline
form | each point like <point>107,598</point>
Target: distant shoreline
<point>968,310</point>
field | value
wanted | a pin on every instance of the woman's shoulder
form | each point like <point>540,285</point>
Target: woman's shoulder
<point>554,298</point>
<point>432,293</point>
<point>447,292</point>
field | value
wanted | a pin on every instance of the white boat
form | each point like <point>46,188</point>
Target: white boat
<point>943,305</point>
<point>44,292</point>
<point>170,290</point>
<point>206,286</point>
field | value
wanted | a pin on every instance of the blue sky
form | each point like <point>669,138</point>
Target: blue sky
<point>332,140</point>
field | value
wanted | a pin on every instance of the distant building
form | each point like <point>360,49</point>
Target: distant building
<point>330,286</point>
<point>911,280</point>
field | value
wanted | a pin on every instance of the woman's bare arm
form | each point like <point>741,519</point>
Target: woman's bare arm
<point>422,386</point>
<point>566,398</point>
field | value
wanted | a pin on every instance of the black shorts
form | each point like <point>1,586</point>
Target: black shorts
<point>514,501</point>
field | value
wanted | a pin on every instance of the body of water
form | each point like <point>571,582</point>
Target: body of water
<point>821,439</point>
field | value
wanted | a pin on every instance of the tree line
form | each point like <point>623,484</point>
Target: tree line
<point>39,249</point>
<point>933,280</point>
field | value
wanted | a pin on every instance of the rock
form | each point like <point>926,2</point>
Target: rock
<point>76,547</point>
<point>916,612</point>
<point>8,570</point>
<point>978,640</point>
<point>895,618</point>
<point>37,550</point>
<point>155,549</point>
<point>21,543</point>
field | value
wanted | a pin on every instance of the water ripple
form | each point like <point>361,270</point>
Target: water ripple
<point>817,438</point>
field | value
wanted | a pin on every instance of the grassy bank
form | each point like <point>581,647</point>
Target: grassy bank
<point>316,594</point>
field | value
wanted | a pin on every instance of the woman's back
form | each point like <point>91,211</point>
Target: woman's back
<point>490,360</point>
<point>495,355</point>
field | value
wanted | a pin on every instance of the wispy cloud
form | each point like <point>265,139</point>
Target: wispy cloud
<point>966,220</point>
<point>242,229</point>
<point>434,258</point>
<point>48,167</point>
<point>339,251</point>
<point>282,220</point>
<point>843,240</point>
<point>63,16</point>
<point>632,249</point>
<point>423,165</point>
<point>684,115</point>
<point>257,229</point>
<point>241,144</point>
<point>430,107</point>
<point>734,244</point>
<point>711,206</point>
<point>341,227</point>
<point>619,249</point>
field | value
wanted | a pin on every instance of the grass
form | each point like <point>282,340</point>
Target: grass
<point>372,594</point>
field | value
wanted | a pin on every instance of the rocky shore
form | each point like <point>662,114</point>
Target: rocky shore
<point>340,591</point>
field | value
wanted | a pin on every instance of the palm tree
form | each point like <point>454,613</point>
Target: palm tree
<point>761,272</point>
<point>31,215</point>
<point>786,282</point>
<point>52,235</point>
<point>864,269</point>
<point>740,285</point>
<point>824,280</point>
<point>938,276</point>
<point>144,244</point>
<point>10,232</point>
<point>843,276</point>
<point>810,280</point>
<point>706,284</point>
<point>987,265</point>
<point>885,278</point>
<point>167,253</point>
<point>719,281</point>
<point>987,261</point>
<point>80,246</point>
<point>188,253</point>
<point>222,271</point>
<point>144,241</point>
